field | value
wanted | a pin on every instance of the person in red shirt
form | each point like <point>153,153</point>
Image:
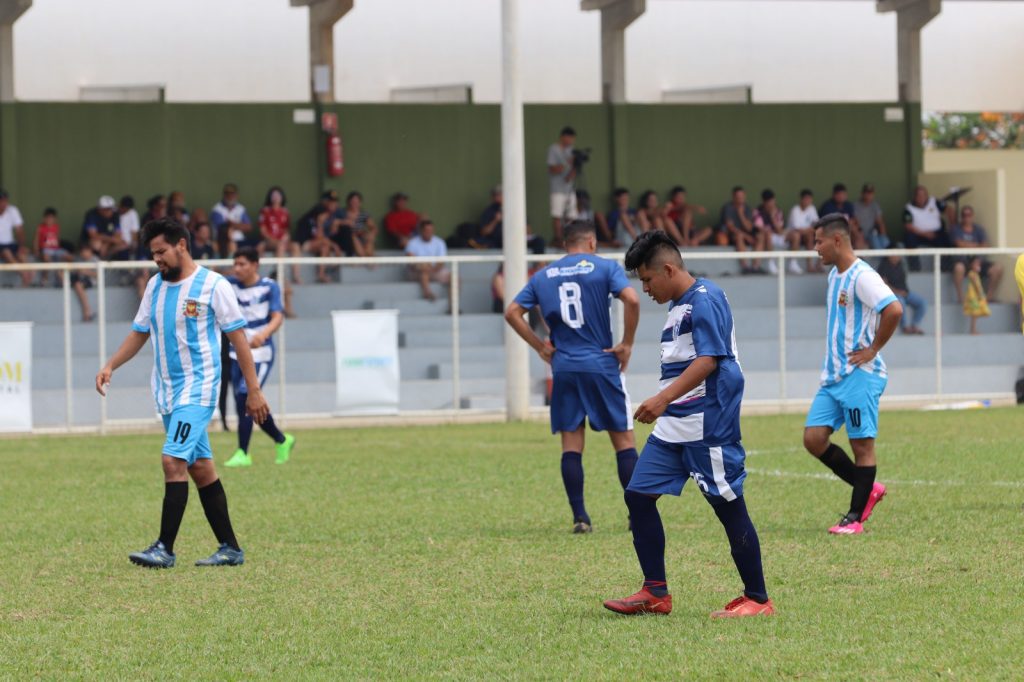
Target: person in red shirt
<point>48,248</point>
<point>274,222</point>
<point>400,222</point>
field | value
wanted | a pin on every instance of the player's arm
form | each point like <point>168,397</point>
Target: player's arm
<point>132,344</point>
<point>255,404</point>
<point>630,318</point>
<point>699,370</point>
<point>890,319</point>
<point>515,316</point>
<point>276,320</point>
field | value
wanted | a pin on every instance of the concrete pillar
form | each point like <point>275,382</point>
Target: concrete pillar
<point>616,15</point>
<point>10,10</point>
<point>911,17</point>
<point>323,15</point>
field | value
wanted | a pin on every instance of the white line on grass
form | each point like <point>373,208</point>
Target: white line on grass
<point>778,473</point>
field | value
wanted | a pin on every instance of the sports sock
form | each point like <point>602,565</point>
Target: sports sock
<point>215,504</point>
<point>836,459</point>
<point>270,428</point>
<point>863,482</point>
<point>175,499</point>
<point>572,477</point>
<point>648,540</point>
<point>244,423</point>
<point>746,549</point>
<point>627,461</point>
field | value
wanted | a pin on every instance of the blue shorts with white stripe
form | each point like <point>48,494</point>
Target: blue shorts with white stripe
<point>664,467</point>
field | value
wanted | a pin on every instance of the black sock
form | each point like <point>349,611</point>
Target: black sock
<point>244,423</point>
<point>746,549</point>
<point>270,428</point>
<point>627,462</point>
<point>648,540</point>
<point>572,477</point>
<point>840,463</point>
<point>175,499</point>
<point>215,504</point>
<point>864,481</point>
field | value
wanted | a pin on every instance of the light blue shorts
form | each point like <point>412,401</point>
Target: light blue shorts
<point>852,401</point>
<point>186,433</point>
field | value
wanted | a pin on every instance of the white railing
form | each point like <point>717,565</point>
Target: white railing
<point>102,268</point>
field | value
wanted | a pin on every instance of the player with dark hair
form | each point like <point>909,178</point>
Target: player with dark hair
<point>183,310</point>
<point>574,294</point>
<point>259,299</point>
<point>697,429</point>
<point>863,313</point>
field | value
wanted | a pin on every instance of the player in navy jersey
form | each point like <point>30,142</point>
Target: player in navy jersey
<point>259,299</point>
<point>183,311</point>
<point>697,429</point>
<point>574,294</point>
<point>863,313</point>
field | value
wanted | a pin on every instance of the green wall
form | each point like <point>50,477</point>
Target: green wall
<point>445,156</point>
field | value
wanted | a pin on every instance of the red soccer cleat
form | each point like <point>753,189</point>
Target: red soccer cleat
<point>641,602</point>
<point>877,493</point>
<point>745,606</point>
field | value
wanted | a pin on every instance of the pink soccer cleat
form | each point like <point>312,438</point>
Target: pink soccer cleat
<point>847,526</point>
<point>877,493</point>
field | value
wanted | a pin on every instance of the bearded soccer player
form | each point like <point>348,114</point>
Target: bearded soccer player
<point>863,313</point>
<point>574,294</point>
<point>697,430</point>
<point>183,312</point>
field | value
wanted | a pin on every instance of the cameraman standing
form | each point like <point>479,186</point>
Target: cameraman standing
<point>562,171</point>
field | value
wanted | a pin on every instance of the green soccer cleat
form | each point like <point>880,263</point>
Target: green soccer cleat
<point>239,459</point>
<point>284,450</point>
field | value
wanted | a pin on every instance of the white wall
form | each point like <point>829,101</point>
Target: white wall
<point>255,50</point>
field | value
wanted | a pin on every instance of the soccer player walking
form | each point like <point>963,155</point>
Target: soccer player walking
<point>863,313</point>
<point>574,294</point>
<point>183,311</point>
<point>697,429</point>
<point>259,299</point>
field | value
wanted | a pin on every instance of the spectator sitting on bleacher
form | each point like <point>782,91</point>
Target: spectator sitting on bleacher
<point>202,242</point>
<point>156,208</point>
<point>768,217</point>
<point>84,279</point>
<point>489,231</point>
<point>801,220</point>
<point>650,216</point>
<point>275,221</point>
<point>129,223</point>
<point>48,247</point>
<point>426,244</point>
<point>893,273</point>
<point>922,222</point>
<point>622,220</point>
<point>311,231</point>
<point>840,202</point>
<point>360,225</point>
<point>965,235</point>
<point>101,231</point>
<point>680,214</point>
<point>176,207</point>
<point>868,214</point>
<point>12,236</point>
<point>232,223</point>
<point>737,223</point>
<point>400,222</point>
<point>585,212</point>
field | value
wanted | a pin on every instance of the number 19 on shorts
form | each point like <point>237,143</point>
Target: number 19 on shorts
<point>571,297</point>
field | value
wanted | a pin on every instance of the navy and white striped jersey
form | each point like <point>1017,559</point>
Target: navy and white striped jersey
<point>257,302</point>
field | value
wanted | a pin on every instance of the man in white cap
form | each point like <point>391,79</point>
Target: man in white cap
<point>101,231</point>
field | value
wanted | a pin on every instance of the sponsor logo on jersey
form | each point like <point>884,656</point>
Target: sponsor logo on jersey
<point>192,308</point>
<point>584,267</point>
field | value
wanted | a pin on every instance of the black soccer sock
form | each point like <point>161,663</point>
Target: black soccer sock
<point>746,549</point>
<point>572,477</point>
<point>863,482</point>
<point>175,499</point>
<point>627,462</point>
<point>215,504</point>
<point>270,428</point>
<point>836,459</point>
<point>648,540</point>
<point>244,423</point>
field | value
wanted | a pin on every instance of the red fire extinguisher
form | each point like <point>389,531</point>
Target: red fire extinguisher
<point>335,158</point>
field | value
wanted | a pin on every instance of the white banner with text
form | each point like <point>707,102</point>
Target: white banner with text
<point>366,361</point>
<point>15,376</point>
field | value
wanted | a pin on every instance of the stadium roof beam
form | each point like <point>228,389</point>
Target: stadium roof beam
<point>911,17</point>
<point>616,16</point>
<point>323,15</point>
<point>10,11</point>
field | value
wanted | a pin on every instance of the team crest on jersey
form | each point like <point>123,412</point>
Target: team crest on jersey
<point>584,267</point>
<point>192,308</point>
<point>843,298</point>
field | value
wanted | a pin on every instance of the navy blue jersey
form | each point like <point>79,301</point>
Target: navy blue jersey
<point>574,294</point>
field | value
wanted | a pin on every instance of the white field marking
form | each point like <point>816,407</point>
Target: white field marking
<point>778,473</point>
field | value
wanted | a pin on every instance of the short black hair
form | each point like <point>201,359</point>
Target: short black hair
<point>50,210</point>
<point>351,195</point>
<point>676,190</point>
<point>806,193</point>
<point>249,253</point>
<point>767,194</point>
<point>567,130</point>
<point>127,201</point>
<point>651,248</point>
<point>425,222</point>
<point>578,230</point>
<point>838,187</point>
<point>275,188</point>
<point>833,222</point>
<point>619,191</point>
<point>170,229</point>
<point>643,198</point>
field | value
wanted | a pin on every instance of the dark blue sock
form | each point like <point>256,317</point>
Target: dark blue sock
<point>627,462</point>
<point>270,428</point>
<point>746,549</point>
<point>648,540</point>
<point>244,423</point>
<point>572,477</point>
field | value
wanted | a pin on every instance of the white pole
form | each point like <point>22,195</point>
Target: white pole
<point>937,262</point>
<point>68,382</point>
<point>101,318</point>
<point>513,178</point>
<point>282,416</point>
<point>456,339</point>
<point>782,332</point>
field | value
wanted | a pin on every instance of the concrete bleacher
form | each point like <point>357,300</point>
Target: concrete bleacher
<point>971,364</point>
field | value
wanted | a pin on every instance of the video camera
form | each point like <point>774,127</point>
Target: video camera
<point>580,157</point>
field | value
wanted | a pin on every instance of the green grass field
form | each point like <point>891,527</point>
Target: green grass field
<point>418,552</point>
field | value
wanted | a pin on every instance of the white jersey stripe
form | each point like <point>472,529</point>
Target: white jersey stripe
<point>718,470</point>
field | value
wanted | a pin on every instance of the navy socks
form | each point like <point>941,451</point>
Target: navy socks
<point>572,477</point>
<point>648,540</point>
<point>746,549</point>
<point>270,428</point>
<point>626,461</point>
<point>245,423</point>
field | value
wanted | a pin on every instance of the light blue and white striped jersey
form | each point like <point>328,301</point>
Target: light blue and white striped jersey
<point>257,302</point>
<point>855,298</point>
<point>184,320</point>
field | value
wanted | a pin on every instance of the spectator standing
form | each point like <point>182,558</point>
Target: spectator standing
<point>681,214</point>
<point>801,220</point>
<point>274,224</point>
<point>868,214</point>
<point>622,220</point>
<point>128,222</point>
<point>768,218</point>
<point>101,230</point>
<point>922,224</point>
<point>965,235</point>
<point>232,223</point>
<point>894,274</point>
<point>400,222</point>
<point>840,203</point>
<point>311,231</point>
<point>360,225</point>
<point>48,248</point>
<point>737,222</point>
<point>427,245</point>
<point>562,182</point>
<point>12,236</point>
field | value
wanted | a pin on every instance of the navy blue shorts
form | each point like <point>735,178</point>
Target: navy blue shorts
<point>599,398</point>
<point>238,381</point>
<point>664,467</point>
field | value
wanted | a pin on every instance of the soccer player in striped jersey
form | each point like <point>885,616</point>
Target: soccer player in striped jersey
<point>863,313</point>
<point>259,299</point>
<point>697,429</point>
<point>183,311</point>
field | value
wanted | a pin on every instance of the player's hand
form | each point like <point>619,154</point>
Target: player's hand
<point>863,356</point>
<point>650,409</point>
<point>256,341</point>
<point>546,352</point>
<point>622,353</point>
<point>256,406</point>
<point>103,380</point>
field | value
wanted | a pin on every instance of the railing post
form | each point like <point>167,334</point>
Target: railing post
<point>782,330</point>
<point>936,263</point>
<point>68,380</point>
<point>101,318</point>
<point>280,353</point>
<point>456,341</point>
